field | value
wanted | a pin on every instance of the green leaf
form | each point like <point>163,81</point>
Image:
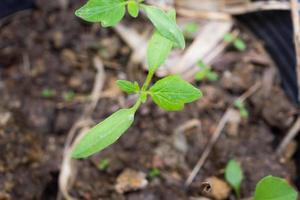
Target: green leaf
<point>158,50</point>
<point>127,86</point>
<point>212,76</point>
<point>274,188</point>
<point>133,8</point>
<point>159,47</point>
<point>234,175</point>
<point>172,92</point>
<point>104,134</point>
<point>229,37</point>
<point>108,12</point>
<point>165,25</point>
<point>239,44</point>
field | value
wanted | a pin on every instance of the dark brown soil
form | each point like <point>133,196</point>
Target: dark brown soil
<point>51,49</point>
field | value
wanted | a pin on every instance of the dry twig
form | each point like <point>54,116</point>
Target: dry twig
<point>68,168</point>
<point>227,115</point>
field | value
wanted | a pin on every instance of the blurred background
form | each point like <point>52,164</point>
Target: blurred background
<point>53,66</point>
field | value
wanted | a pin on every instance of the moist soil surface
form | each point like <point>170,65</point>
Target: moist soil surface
<point>47,75</point>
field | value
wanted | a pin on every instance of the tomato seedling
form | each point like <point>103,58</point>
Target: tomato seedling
<point>170,93</point>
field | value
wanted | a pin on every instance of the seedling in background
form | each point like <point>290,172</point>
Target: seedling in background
<point>154,172</point>
<point>242,109</point>
<point>170,93</point>
<point>48,93</point>
<point>190,29</point>
<point>234,176</point>
<point>237,42</point>
<point>206,72</point>
<point>274,188</point>
<point>103,164</point>
<point>69,96</point>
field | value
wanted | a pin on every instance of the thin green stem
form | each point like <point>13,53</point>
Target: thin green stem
<point>147,81</point>
<point>143,90</point>
<point>137,104</point>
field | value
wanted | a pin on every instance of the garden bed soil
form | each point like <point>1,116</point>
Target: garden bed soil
<point>50,48</point>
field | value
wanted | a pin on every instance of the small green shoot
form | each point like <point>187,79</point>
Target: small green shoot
<point>274,188</point>
<point>237,42</point>
<point>103,164</point>
<point>48,93</point>
<point>170,93</point>
<point>234,176</point>
<point>153,173</point>
<point>206,72</point>
<point>69,96</point>
<point>242,109</point>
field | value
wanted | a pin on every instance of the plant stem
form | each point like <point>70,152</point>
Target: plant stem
<point>144,88</point>
<point>137,104</point>
<point>147,81</point>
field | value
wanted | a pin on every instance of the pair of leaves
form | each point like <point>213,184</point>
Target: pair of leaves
<point>274,188</point>
<point>172,92</point>
<point>234,175</point>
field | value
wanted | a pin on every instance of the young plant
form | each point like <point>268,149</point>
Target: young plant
<point>234,176</point>
<point>170,93</point>
<point>103,164</point>
<point>242,109</point>
<point>206,72</point>
<point>237,42</point>
<point>48,93</point>
<point>274,188</point>
<point>154,172</point>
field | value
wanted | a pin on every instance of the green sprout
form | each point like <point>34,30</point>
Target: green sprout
<point>69,96</point>
<point>242,108</point>
<point>170,93</point>
<point>103,164</point>
<point>234,176</point>
<point>206,72</point>
<point>274,188</point>
<point>237,42</point>
<point>48,93</point>
<point>154,172</point>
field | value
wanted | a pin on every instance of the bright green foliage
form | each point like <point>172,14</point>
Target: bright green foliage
<point>274,188</point>
<point>237,42</point>
<point>154,172</point>
<point>103,164</point>
<point>165,25</point>
<point>159,47</point>
<point>234,175</point>
<point>242,108</point>
<point>104,134</point>
<point>129,87</point>
<point>69,96</point>
<point>158,50</point>
<point>133,8</point>
<point>108,12</point>
<point>172,92</point>
<point>229,37</point>
<point>48,93</point>
<point>206,72</point>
